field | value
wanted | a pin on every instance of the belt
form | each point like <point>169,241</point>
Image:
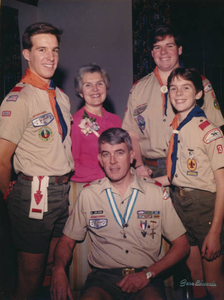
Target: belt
<point>52,179</point>
<point>160,162</point>
<point>121,271</point>
<point>184,191</point>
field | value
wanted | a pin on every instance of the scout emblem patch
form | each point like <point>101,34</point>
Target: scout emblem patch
<point>212,135</point>
<point>141,122</point>
<point>45,134</point>
<point>191,164</point>
<point>139,109</point>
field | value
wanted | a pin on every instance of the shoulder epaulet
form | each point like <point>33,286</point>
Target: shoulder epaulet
<point>157,183</point>
<point>61,90</point>
<point>17,89</point>
<point>88,184</point>
<point>133,86</point>
<point>203,77</point>
<point>204,125</point>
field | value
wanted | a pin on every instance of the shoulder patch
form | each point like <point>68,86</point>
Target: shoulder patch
<point>166,194</point>
<point>157,183</point>
<point>208,87</point>
<point>204,124</point>
<point>12,98</point>
<point>216,104</point>
<point>212,135</point>
<point>139,109</point>
<point>17,89</point>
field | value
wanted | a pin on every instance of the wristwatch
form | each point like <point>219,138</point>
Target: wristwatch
<point>148,274</point>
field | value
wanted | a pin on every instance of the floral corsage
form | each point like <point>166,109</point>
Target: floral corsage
<point>89,125</point>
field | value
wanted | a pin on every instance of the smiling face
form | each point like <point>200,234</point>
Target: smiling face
<point>43,56</point>
<point>94,90</point>
<point>166,54</point>
<point>116,160</point>
<point>183,95</point>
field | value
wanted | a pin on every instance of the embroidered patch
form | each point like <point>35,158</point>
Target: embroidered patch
<point>142,214</point>
<point>96,212</point>
<point>17,89</point>
<point>141,122</point>
<point>166,195</point>
<point>45,134</point>
<point>212,135</point>
<point>191,164</point>
<point>6,113</point>
<point>219,148</point>
<point>139,109</point>
<point>204,125</point>
<point>43,120</point>
<point>98,223</point>
<point>156,214</point>
<point>12,98</point>
<point>207,87</point>
<point>190,173</point>
<point>216,104</point>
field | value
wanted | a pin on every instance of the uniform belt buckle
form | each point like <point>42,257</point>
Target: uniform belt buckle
<point>127,271</point>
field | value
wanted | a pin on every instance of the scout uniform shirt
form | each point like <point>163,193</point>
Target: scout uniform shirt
<point>150,214</point>
<point>145,114</point>
<point>26,119</point>
<point>199,154</point>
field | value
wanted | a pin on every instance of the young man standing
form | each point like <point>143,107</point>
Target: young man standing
<point>125,216</point>
<point>149,112</point>
<point>35,131</point>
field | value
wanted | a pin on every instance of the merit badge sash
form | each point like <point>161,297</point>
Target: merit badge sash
<point>39,198</point>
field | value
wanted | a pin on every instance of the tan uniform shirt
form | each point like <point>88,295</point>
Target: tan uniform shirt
<point>144,115</point>
<point>27,120</point>
<point>136,245</point>
<point>200,153</point>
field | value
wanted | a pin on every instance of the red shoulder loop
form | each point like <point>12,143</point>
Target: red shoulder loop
<point>204,124</point>
<point>86,185</point>
<point>203,77</point>
<point>61,90</point>
<point>17,89</point>
<point>157,183</point>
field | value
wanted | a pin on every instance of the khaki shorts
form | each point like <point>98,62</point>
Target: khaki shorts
<point>196,210</point>
<point>31,235</point>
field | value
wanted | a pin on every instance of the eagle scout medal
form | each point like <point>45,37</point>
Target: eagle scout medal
<point>122,220</point>
<point>143,225</point>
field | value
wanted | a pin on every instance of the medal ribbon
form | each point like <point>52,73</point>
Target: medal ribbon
<point>172,152</point>
<point>129,208</point>
<point>164,95</point>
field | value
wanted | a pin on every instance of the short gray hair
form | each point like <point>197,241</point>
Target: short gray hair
<point>115,136</point>
<point>90,68</point>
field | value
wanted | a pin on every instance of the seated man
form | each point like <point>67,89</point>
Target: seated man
<point>125,216</point>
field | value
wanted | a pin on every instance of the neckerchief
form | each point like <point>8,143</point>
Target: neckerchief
<point>163,94</point>
<point>37,82</point>
<point>172,152</point>
<point>122,221</point>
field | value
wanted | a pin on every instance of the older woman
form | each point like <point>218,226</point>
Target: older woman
<point>91,84</point>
